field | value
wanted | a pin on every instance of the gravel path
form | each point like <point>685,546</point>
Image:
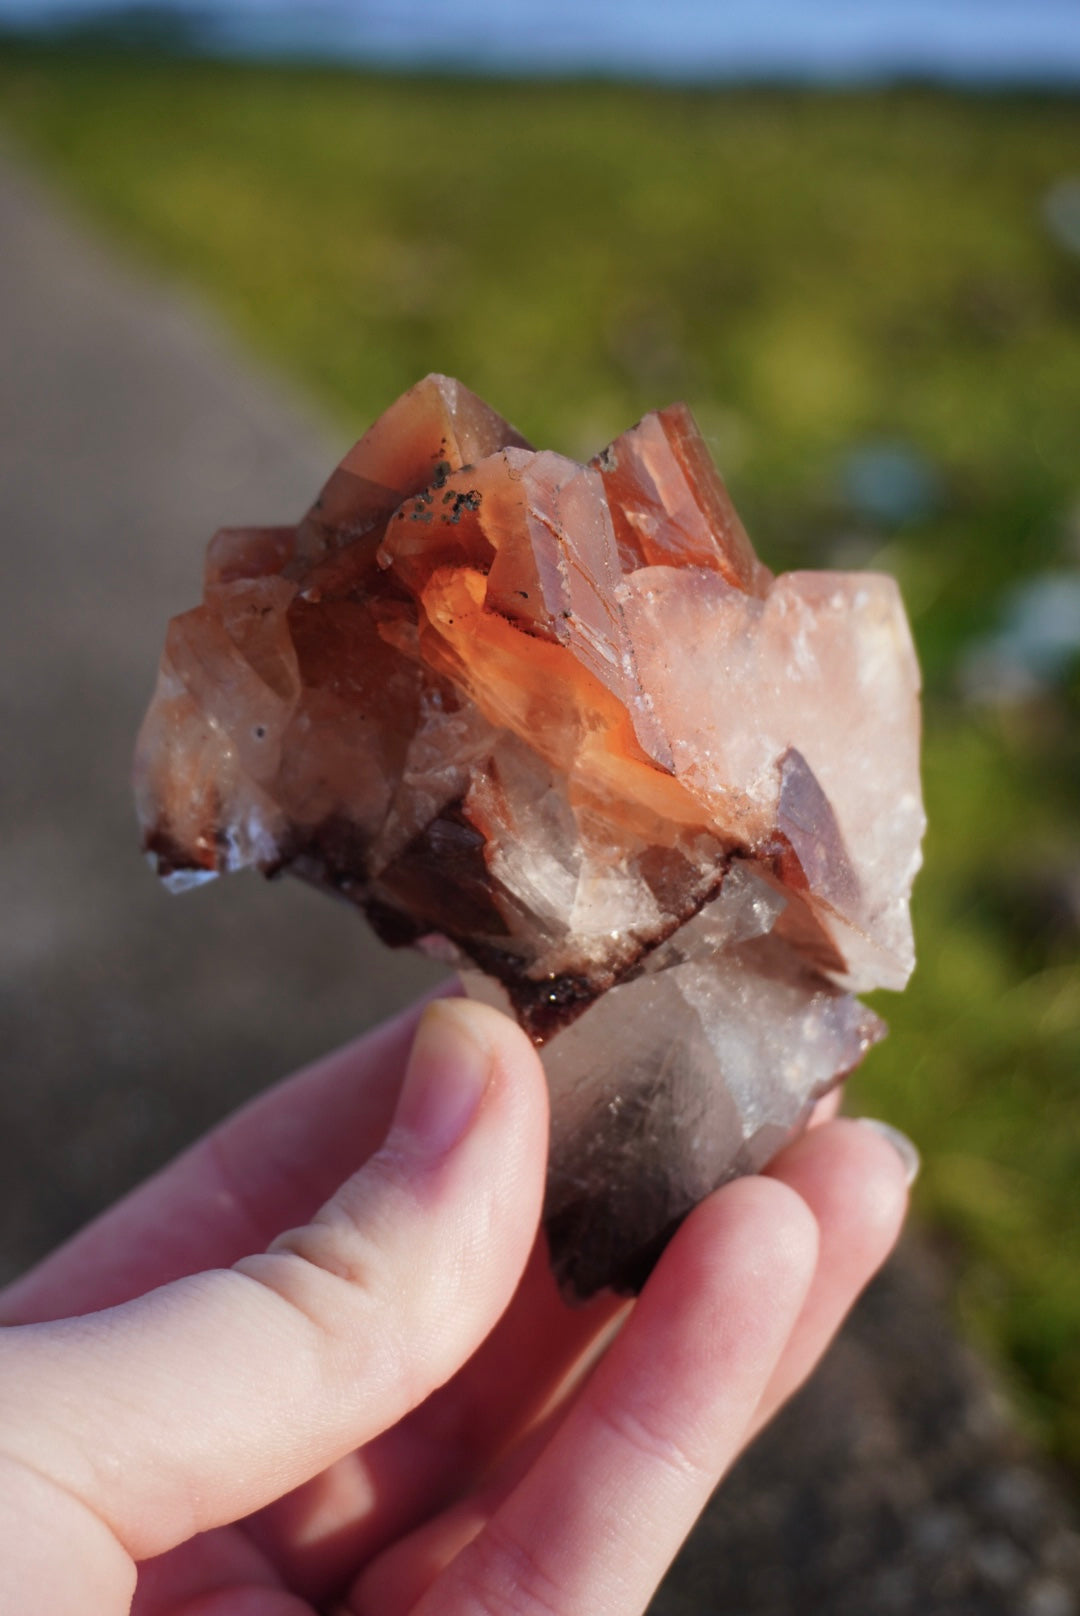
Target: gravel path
<point>129,1020</point>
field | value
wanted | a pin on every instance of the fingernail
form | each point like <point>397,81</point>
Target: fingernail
<point>445,1080</point>
<point>900,1142</point>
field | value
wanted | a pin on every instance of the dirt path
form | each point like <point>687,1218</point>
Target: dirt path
<point>129,430</point>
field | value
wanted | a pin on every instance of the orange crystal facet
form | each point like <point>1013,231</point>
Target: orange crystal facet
<point>560,720</point>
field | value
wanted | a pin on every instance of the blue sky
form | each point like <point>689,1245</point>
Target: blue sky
<point>818,39</point>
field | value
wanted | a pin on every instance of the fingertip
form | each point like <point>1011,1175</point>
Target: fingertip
<point>475,1098</point>
<point>886,1172</point>
<point>904,1147</point>
<point>517,1082</point>
<point>507,1039</point>
<point>753,1235</point>
<point>446,1080</point>
<point>783,1222</point>
<point>450,1018</point>
<point>855,1182</point>
<point>514,1057</point>
<point>468,1062</point>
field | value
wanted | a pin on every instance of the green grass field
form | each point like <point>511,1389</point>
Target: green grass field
<point>812,273</point>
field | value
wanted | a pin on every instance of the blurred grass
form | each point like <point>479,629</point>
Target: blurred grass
<point>811,272</point>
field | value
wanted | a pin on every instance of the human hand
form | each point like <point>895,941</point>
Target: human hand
<point>389,1409</point>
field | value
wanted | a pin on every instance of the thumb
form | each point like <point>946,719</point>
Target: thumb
<point>208,1398</point>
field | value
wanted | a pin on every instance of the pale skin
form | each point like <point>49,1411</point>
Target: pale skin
<point>387,1408</point>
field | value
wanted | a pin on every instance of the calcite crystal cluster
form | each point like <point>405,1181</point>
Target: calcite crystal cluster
<point>558,723</point>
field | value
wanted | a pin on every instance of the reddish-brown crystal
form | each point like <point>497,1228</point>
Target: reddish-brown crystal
<point>669,504</point>
<point>561,720</point>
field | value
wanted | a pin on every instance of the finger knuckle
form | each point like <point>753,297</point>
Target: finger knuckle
<point>329,1247</point>
<point>650,1437</point>
<point>325,1272</point>
<point>341,1249</point>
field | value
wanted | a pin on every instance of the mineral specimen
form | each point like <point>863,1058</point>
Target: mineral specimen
<point>558,723</point>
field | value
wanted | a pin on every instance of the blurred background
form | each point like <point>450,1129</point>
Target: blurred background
<point>848,236</point>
